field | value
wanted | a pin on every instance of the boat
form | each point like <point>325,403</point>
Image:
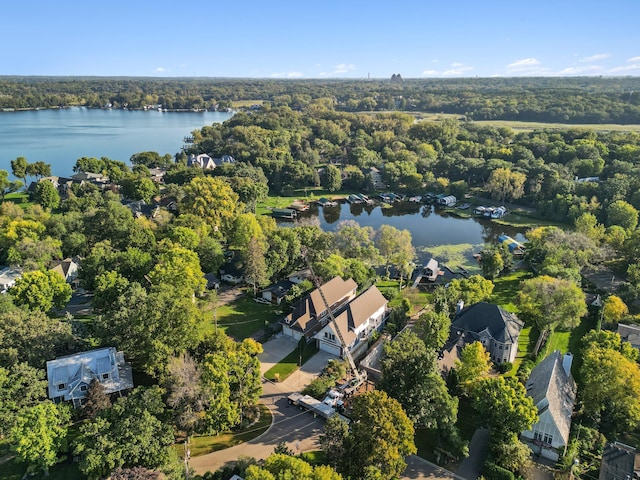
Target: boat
<point>325,202</point>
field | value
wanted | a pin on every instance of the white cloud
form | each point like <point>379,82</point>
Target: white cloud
<point>527,66</point>
<point>286,75</point>
<point>339,69</point>
<point>595,58</point>
<point>161,70</point>
<point>523,64</point>
<point>590,69</point>
<point>430,73</point>
<point>458,69</point>
<point>344,68</point>
<point>626,68</point>
<point>634,60</point>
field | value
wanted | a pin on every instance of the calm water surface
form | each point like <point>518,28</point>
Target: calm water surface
<point>60,137</point>
<point>428,226</point>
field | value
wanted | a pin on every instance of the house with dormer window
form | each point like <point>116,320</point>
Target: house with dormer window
<point>309,315</point>
<point>361,317</point>
<point>69,376</point>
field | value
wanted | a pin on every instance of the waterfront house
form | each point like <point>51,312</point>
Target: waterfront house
<point>361,317</point>
<point>553,391</point>
<point>69,376</point>
<point>446,200</point>
<point>310,314</point>
<point>374,175</point>
<point>487,323</point>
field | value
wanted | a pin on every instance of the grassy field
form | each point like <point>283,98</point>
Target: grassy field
<point>529,126</point>
<point>460,255</point>
<point>506,289</point>
<point>19,198</point>
<point>201,445</point>
<point>305,194</point>
<point>242,318</point>
<point>289,364</point>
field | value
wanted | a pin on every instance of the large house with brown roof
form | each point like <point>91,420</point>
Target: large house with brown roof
<point>362,316</point>
<point>309,315</point>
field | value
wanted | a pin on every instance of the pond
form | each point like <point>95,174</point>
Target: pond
<point>429,226</point>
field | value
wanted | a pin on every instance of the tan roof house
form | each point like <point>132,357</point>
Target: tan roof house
<point>362,316</point>
<point>310,314</point>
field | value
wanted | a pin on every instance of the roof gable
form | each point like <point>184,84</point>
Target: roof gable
<point>503,326</point>
<point>553,389</point>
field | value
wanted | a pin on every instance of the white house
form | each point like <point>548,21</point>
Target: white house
<point>554,393</point>
<point>310,314</point>
<point>8,277</point>
<point>361,317</point>
<point>69,376</point>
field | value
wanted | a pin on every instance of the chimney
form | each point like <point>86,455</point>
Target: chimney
<point>459,306</point>
<point>567,360</point>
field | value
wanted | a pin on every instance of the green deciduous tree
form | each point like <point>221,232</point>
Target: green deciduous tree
<point>623,214</point>
<point>549,301</point>
<point>395,246</point>
<point>47,195</point>
<point>19,168</point>
<point>178,268</point>
<point>410,375</point>
<point>505,407</point>
<point>332,178</point>
<point>470,290</point>
<point>614,309</point>
<point>21,386</point>
<point>8,186</point>
<point>610,390</point>
<point>280,466</point>
<point>255,267</point>
<point>132,432</point>
<point>474,365</point>
<point>433,328</point>
<point>213,200</point>
<point>506,185</point>
<point>39,434</point>
<point>42,291</point>
<point>381,437</point>
<point>96,399</point>
<point>491,262</point>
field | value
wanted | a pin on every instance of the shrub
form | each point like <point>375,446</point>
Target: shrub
<point>494,472</point>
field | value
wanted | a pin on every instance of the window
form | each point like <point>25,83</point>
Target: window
<point>83,388</point>
<point>547,438</point>
<point>500,347</point>
<point>105,376</point>
<point>537,435</point>
<point>62,386</point>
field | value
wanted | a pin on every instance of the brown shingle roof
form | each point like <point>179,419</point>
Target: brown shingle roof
<point>365,305</point>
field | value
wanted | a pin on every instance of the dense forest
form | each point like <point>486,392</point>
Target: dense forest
<point>588,100</point>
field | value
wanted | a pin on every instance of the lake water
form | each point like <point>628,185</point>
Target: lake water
<point>429,227</point>
<point>60,137</point>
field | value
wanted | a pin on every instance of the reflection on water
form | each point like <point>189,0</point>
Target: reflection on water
<point>428,226</point>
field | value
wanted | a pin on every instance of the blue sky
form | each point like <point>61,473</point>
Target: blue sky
<point>320,39</point>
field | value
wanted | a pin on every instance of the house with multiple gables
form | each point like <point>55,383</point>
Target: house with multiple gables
<point>553,391</point>
<point>69,376</point>
<point>67,269</point>
<point>309,315</point>
<point>487,323</point>
<point>357,321</point>
<point>206,162</point>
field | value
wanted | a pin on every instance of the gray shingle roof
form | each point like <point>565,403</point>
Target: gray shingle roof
<point>504,326</point>
<point>553,389</point>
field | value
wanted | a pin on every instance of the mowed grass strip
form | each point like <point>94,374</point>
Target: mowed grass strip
<point>203,444</point>
<point>242,318</point>
<point>289,364</point>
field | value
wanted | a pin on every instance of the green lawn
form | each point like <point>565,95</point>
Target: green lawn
<point>242,318</point>
<point>290,363</point>
<point>19,198</point>
<point>201,445</point>
<point>506,289</point>
<point>454,256</point>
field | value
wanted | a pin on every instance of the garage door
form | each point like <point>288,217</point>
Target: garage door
<point>327,347</point>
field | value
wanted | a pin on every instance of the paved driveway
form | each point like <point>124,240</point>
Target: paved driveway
<point>275,350</point>
<point>419,468</point>
<point>478,449</point>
